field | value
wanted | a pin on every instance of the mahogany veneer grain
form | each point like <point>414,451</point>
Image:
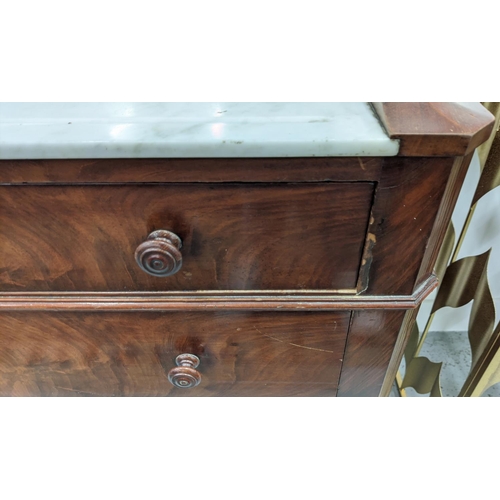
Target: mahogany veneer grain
<point>131,354</point>
<point>283,236</point>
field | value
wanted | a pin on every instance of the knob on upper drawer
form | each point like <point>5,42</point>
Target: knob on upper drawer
<point>160,254</point>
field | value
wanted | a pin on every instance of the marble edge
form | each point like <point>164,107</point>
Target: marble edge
<point>353,131</point>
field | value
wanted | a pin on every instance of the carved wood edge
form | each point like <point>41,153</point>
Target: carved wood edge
<point>435,128</point>
<point>176,301</point>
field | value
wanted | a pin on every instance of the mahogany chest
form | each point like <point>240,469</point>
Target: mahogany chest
<point>224,275</point>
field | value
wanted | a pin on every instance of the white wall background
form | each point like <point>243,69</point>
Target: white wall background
<point>483,233</point>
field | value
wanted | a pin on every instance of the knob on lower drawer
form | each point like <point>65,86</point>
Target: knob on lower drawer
<point>185,375</point>
<point>160,254</point>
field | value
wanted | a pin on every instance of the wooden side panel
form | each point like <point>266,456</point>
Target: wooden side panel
<point>406,205</point>
<point>443,218</point>
<point>130,354</point>
<point>421,197</point>
<point>398,351</point>
<point>370,344</point>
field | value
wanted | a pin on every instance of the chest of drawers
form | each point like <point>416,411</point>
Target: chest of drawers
<point>280,257</point>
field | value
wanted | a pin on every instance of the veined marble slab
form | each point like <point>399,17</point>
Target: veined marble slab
<point>190,130</point>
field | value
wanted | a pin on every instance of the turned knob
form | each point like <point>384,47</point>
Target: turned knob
<point>160,254</point>
<point>185,375</point>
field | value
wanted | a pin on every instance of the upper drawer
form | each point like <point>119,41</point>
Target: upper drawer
<point>235,236</point>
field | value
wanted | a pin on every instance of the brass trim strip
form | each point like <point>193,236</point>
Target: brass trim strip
<point>118,301</point>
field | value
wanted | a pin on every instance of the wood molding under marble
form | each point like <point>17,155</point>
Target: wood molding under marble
<point>168,170</point>
<point>111,301</point>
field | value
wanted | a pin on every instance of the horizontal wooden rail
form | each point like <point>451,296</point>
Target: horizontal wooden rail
<point>149,301</point>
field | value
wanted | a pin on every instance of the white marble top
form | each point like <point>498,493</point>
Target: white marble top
<point>195,130</point>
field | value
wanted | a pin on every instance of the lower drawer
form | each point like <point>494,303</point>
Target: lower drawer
<point>133,354</point>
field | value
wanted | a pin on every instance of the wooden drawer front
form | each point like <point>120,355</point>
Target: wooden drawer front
<point>131,354</point>
<point>235,236</point>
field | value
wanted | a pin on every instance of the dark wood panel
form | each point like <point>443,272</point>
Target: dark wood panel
<point>131,354</point>
<point>436,128</point>
<point>190,170</point>
<point>235,236</point>
<point>371,340</point>
<point>443,218</point>
<point>405,208</point>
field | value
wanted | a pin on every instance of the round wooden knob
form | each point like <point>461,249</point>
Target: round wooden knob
<point>160,254</point>
<point>185,375</point>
